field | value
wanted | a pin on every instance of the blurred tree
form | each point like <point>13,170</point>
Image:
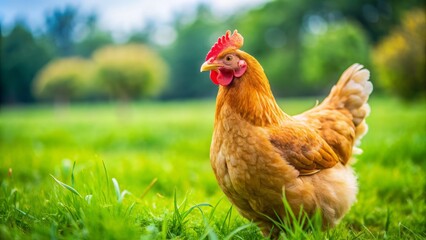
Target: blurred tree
<point>400,57</point>
<point>93,38</point>
<point>187,53</point>
<point>61,26</point>
<point>277,42</point>
<point>64,79</point>
<point>143,36</point>
<point>93,41</point>
<point>376,17</point>
<point>328,51</point>
<point>21,57</point>
<point>130,71</point>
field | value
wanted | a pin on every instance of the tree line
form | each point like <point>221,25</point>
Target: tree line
<point>302,45</point>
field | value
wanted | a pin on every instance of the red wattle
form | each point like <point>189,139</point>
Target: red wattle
<point>225,77</point>
<point>222,77</point>
<point>213,76</point>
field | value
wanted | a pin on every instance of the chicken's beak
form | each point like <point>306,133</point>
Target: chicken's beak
<point>208,65</point>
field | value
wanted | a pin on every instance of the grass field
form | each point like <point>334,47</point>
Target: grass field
<point>143,172</point>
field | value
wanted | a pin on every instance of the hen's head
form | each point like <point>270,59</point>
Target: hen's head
<point>224,59</point>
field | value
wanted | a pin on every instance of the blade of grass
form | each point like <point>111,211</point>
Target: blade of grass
<point>369,232</point>
<point>106,173</point>
<point>116,188</point>
<point>123,194</point>
<point>149,187</point>
<point>24,213</point>
<point>214,209</point>
<point>227,219</point>
<point>388,218</point>
<point>239,229</point>
<point>88,198</point>
<point>416,236</point>
<point>66,186</point>
<point>198,206</point>
<point>72,175</point>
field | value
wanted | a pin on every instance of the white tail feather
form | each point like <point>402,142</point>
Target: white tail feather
<point>352,92</point>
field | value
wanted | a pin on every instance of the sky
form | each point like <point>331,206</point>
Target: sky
<point>119,16</point>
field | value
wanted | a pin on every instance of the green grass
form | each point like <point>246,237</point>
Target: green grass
<point>57,169</point>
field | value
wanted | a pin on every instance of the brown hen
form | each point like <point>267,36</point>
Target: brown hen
<point>260,154</point>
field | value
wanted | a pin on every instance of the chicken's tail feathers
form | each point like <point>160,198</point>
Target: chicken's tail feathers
<point>352,92</point>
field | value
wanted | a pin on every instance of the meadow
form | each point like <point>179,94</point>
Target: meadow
<point>142,171</point>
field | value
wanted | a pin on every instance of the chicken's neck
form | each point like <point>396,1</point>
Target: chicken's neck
<point>251,97</point>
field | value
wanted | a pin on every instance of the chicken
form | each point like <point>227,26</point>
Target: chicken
<point>260,154</point>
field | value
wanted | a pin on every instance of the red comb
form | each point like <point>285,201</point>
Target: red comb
<point>235,40</point>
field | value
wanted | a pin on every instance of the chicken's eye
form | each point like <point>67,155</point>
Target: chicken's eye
<point>228,58</point>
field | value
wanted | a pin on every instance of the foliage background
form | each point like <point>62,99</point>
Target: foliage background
<point>303,47</point>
